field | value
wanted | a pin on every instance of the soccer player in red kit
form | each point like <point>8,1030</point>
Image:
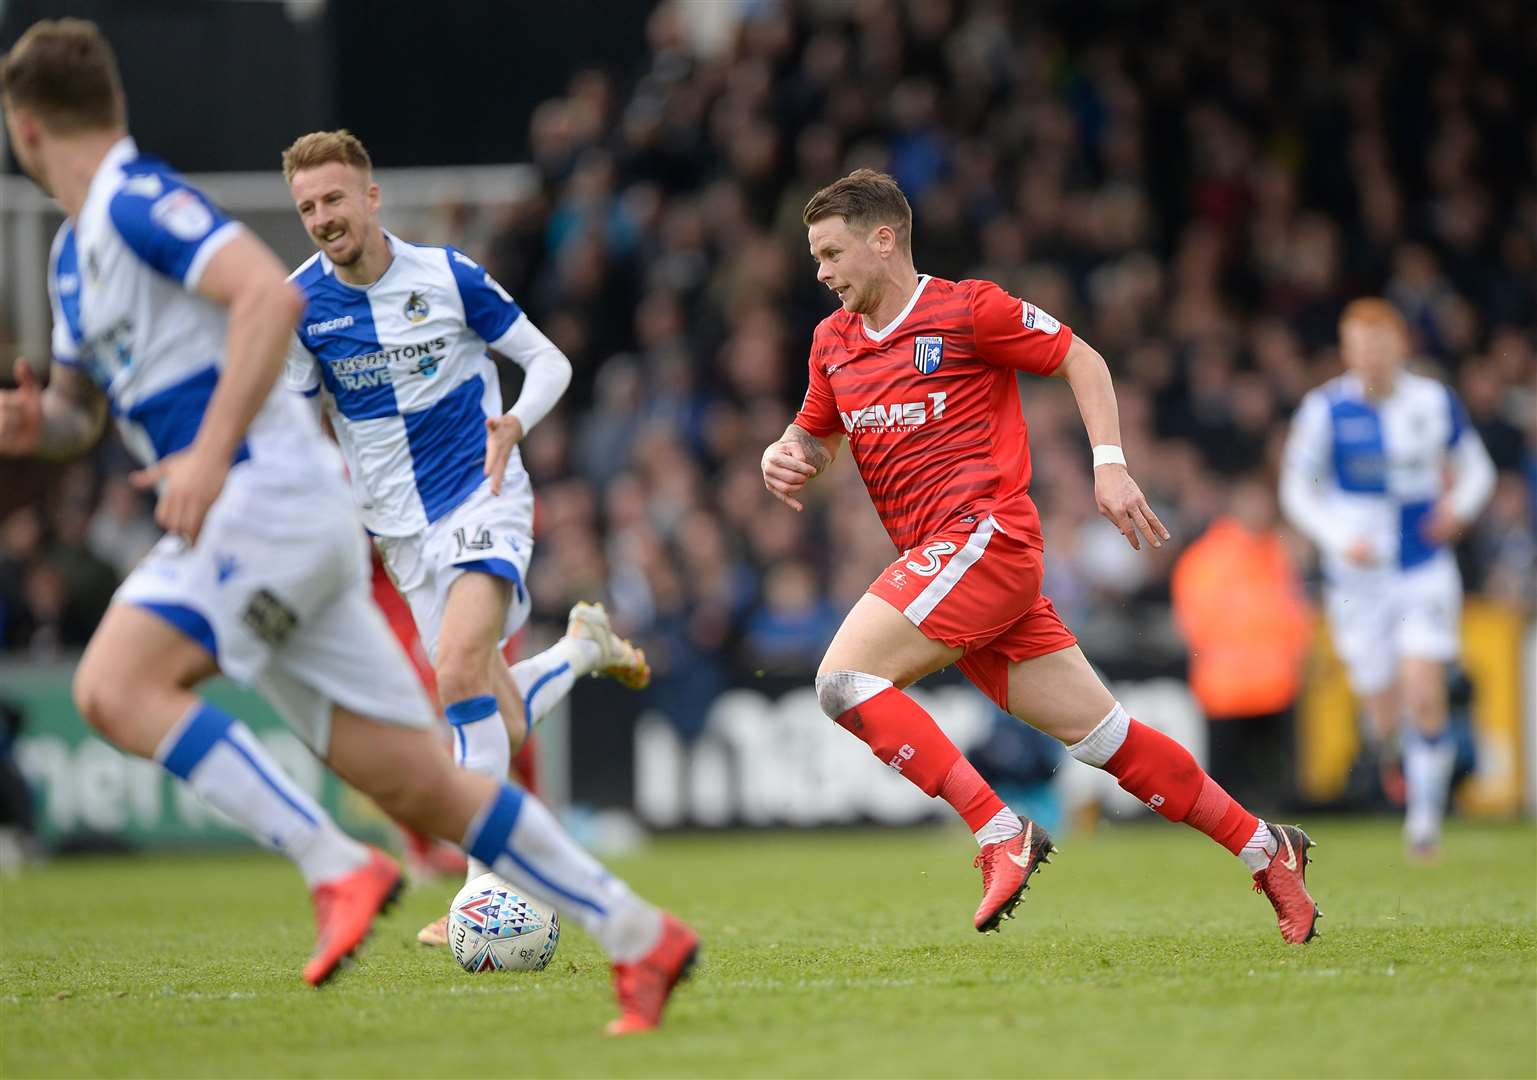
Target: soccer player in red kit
<point>918,374</point>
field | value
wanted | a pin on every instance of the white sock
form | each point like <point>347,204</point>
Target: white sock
<point>1004,825</point>
<point>546,678</point>
<point>1100,745</point>
<point>1428,767</point>
<point>522,842</point>
<point>1257,853</point>
<point>228,767</point>
<point>481,745</point>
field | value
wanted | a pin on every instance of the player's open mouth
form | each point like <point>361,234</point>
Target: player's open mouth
<point>332,237</point>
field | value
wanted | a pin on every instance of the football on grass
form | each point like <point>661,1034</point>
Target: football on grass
<point>493,927</point>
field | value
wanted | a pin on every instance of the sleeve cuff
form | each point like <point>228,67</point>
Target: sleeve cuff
<point>210,247</point>
<point>1066,343</point>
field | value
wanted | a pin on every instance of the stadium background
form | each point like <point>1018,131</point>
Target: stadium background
<point>1196,191</point>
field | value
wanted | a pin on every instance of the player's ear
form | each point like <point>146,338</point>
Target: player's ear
<point>372,194</point>
<point>25,127</point>
<point>885,238</point>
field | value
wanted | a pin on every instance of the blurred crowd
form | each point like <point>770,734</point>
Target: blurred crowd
<point>1195,190</point>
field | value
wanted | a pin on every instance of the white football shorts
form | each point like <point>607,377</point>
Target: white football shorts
<point>1407,614</point>
<point>486,533</point>
<point>277,587</point>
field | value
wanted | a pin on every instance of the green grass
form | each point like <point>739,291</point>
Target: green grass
<point>1139,952</point>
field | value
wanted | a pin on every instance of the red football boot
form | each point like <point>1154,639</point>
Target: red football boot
<point>1284,883</point>
<point>345,910</point>
<point>644,986</point>
<point>1006,869</point>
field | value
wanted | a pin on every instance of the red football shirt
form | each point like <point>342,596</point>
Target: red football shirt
<point>931,408</point>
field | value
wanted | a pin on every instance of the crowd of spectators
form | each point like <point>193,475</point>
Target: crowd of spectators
<point>1196,190</point>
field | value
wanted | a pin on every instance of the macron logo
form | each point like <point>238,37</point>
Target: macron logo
<point>329,325</point>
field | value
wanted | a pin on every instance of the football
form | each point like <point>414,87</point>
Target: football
<point>493,928</point>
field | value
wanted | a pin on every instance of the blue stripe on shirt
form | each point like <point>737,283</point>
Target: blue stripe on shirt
<point>448,447</point>
<point>1360,455</point>
<point>1414,547</point>
<point>171,417</point>
<point>352,363</point>
<point>66,284</point>
<point>488,309</point>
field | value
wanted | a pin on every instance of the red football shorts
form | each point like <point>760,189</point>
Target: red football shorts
<point>974,587</point>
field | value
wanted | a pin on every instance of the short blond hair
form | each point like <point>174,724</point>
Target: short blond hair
<point>322,147</point>
<point>864,199</point>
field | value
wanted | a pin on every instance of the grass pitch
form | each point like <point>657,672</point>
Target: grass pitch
<point>1139,952</point>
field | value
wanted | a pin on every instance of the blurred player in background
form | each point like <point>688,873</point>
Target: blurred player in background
<point>179,320</point>
<point>1365,478</point>
<point>393,344</point>
<point>919,374</point>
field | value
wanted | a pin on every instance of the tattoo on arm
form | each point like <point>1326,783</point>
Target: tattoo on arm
<point>816,451</point>
<point>74,413</point>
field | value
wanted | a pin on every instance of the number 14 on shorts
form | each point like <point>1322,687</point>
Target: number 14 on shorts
<point>481,542</point>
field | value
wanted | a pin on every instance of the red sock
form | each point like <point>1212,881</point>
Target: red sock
<point>902,735</point>
<point>1161,773</point>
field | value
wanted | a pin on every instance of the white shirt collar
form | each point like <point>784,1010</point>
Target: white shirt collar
<point>885,331</point>
<point>1357,389</point>
<point>390,240</point>
<point>121,152</point>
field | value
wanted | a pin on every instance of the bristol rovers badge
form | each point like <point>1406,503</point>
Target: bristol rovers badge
<point>416,308</point>
<point>927,353</point>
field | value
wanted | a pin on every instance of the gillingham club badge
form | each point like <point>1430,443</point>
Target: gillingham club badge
<point>927,353</point>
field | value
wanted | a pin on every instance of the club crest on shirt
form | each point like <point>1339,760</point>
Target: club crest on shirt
<point>927,354</point>
<point>416,308</point>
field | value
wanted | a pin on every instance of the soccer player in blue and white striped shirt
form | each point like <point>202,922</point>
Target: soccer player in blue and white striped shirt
<point>177,319</point>
<point>1365,478</point>
<point>395,344</point>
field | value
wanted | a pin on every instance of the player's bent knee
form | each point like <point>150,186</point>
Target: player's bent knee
<point>840,691</point>
<point>100,693</point>
<point>112,706</point>
<point>90,701</point>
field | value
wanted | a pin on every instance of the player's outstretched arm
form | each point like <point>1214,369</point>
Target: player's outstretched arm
<point>1119,498</point>
<point>795,459</point>
<point>246,277</point>
<point>57,423</point>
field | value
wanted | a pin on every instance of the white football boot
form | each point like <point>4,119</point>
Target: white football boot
<point>618,658</point>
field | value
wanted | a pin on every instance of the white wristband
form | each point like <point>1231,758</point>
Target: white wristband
<point>1108,454</point>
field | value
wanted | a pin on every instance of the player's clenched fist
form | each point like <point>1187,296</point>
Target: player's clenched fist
<point>21,413</point>
<point>1123,504</point>
<point>786,468</point>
